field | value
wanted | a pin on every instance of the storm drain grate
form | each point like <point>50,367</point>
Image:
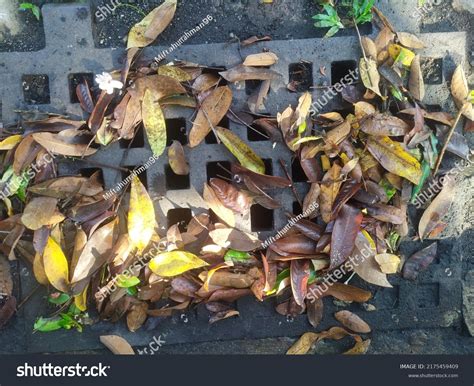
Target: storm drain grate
<point>437,298</point>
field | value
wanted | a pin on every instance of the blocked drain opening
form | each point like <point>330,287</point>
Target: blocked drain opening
<point>137,141</point>
<point>432,69</point>
<point>213,170</point>
<point>341,69</point>
<point>36,89</point>
<point>211,138</point>
<point>301,75</point>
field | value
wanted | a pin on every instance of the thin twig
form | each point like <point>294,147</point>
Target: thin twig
<point>250,127</point>
<point>448,139</point>
<point>28,297</point>
<point>295,193</point>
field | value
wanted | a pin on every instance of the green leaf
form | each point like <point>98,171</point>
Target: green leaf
<point>237,256</point>
<point>124,281</point>
<point>426,170</point>
<point>48,324</point>
<point>390,190</point>
<point>60,299</point>
<point>132,291</point>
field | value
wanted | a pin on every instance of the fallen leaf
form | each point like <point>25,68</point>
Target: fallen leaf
<point>352,322</point>
<point>95,252</point>
<point>41,211</point>
<point>56,266</point>
<point>230,196</point>
<point>437,209</point>
<point>460,91</point>
<point>388,262</point>
<point>10,142</point>
<point>370,75</point>
<point>410,40</point>
<point>261,60</point>
<point>330,186</point>
<point>6,282</point>
<point>384,125</point>
<point>234,239</point>
<point>141,215</point>
<point>346,228</point>
<point>359,348</point>
<point>217,207</point>
<point>174,263</point>
<point>117,344</point>
<point>241,150</point>
<point>394,158</point>
<point>177,159</point>
<point>299,274</point>
<point>315,310</point>
<point>307,340</point>
<point>212,110</point>
<point>416,84</point>
<point>137,316</point>
<point>147,30</point>
<point>56,144</point>
<point>154,123</point>
<point>419,261</point>
<point>241,72</point>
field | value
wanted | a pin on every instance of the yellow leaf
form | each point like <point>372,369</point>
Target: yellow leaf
<point>80,301</point>
<point>401,54</point>
<point>10,142</point>
<point>55,266</point>
<point>175,73</point>
<point>174,263</point>
<point>147,30</point>
<point>388,263</point>
<point>241,150</point>
<point>370,75</point>
<point>141,215</point>
<point>154,123</point>
<point>394,158</point>
<point>38,270</point>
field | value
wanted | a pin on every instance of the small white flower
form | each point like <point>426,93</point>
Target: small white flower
<point>107,83</point>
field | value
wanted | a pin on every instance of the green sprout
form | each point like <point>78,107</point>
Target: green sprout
<point>35,10</point>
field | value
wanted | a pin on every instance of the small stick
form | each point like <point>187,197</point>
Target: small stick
<point>28,297</point>
<point>448,138</point>
<point>295,193</point>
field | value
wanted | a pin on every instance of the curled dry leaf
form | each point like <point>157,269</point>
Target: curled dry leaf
<point>212,110</point>
<point>352,322</point>
<point>6,282</point>
<point>147,30</point>
<point>65,187</point>
<point>359,348</point>
<point>177,159</point>
<point>299,274</point>
<point>419,261</point>
<point>141,215</point>
<point>438,208</point>
<point>307,340</point>
<point>230,196</point>
<point>41,211</point>
<point>460,91</point>
<point>137,316</point>
<point>95,252</point>
<point>261,60</point>
<point>241,72</point>
<point>416,83</point>
<point>174,263</point>
<point>117,344</point>
<point>315,310</point>
<point>217,207</point>
<point>364,263</point>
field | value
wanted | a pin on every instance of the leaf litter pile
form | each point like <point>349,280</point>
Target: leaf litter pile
<point>106,259</point>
